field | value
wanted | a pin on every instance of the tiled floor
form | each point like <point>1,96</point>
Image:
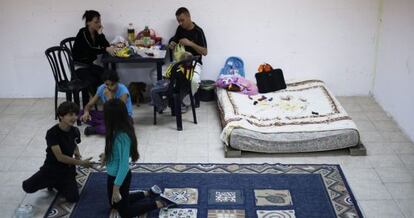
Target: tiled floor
<point>382,181</point>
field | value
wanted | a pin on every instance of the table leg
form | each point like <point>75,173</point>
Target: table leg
<point>159,70</point>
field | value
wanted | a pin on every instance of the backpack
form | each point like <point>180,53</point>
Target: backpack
<point>233,66</point>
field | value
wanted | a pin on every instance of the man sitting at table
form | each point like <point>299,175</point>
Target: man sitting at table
<point>111,88</point>
<point>192,37</point>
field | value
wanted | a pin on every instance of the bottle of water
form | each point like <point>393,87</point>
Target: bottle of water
<point>24,211</point>
<point>131,33</point>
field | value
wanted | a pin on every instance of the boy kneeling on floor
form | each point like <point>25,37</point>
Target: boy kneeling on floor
<point>62,154</point>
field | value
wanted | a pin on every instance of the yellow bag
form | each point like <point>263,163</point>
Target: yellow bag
<point>178,51</point>
<point>123,53</point>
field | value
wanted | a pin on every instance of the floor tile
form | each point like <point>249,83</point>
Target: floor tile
<point>370,191</point>
<point>11,195</point>
<point>27,164</point>
<point>401,190</point>
<point>40,201</point>
<point>406,207</point>
<point>365,125</point>
<point>378,116</point>
<point>408,160</point>
<point>399,174</point>
<point>380,161</point>
<point>394,137</point>
<point>380,209</point>
<point>373,136</point>
<point>8,209</point>
<point>386,125</point>
<point>6,163</point>
<point>361,175</point>
<point>378,148</point>
<point>402,147</point>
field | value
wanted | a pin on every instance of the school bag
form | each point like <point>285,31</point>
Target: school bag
<point>233,66</point>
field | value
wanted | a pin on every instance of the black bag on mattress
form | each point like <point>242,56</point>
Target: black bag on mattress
<point>270,81</point>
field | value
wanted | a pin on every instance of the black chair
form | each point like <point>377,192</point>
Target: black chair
<point>68,43</point>
<point>61,62</point>
<point>178,88</point>
<point>171,53</point>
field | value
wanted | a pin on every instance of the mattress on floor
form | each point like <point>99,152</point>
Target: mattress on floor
<point>304,117</point>
<point>247,140</point>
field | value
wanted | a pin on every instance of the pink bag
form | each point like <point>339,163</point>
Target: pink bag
<point>237,83</point>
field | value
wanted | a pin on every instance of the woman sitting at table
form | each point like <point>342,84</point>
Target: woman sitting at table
<point>89,42</point>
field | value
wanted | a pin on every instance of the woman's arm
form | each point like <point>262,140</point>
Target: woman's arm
<point>86,116</point>
<point>122,144</point>
<point>124,98</point>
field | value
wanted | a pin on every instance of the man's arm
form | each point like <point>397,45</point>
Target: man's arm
<point>199,49</point>
<point>69,160</point>
<point>77,153</point>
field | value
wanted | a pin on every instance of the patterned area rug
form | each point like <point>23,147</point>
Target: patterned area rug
<point>226,190</point>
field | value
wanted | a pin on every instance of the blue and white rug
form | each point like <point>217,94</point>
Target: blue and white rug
<point>226,190</point>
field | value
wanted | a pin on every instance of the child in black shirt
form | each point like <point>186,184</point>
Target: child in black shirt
<point>62,154</point>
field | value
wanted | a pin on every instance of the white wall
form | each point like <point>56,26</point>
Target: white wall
<point>332,40</point>
<point>394,79</point>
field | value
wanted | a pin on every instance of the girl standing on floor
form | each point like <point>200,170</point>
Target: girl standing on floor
<point>121,144</point>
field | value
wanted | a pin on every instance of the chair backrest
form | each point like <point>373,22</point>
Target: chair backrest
<point>178,80</point>
<point>61,62</point>
<point>68,43</point>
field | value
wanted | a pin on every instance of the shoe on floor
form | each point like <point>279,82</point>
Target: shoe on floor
<point>136,191</point>
<point>155,191</point>
<point>90,130</point>
<point>167,202</point>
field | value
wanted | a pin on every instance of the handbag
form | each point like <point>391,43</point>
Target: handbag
<point>270,81</point>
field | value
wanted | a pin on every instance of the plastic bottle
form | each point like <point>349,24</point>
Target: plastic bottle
<point>146,36</point>
<point>131,33</point>
<point>24,211</point>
